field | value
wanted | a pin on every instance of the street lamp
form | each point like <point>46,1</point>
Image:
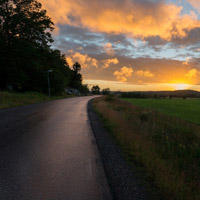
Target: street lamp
<point>48,71</point>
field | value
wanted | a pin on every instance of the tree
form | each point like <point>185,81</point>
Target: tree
<point>61,75</point>
<point>24,34</point>
<point>24,19</point>
<point>26,54</point>
<point>95,89</point>
<point>77,67</point>
<point>84,89</point>
<point>106,91</point>
<point>76,80</point>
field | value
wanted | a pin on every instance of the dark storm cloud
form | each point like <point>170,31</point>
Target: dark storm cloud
<point>192,37</point>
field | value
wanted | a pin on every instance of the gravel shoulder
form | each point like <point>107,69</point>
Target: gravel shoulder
<point>127,182</point>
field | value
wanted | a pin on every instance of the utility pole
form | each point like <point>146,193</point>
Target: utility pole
<point>48,71</point>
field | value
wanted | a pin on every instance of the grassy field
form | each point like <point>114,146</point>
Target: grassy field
<point>167,147</point>
<point>8,99</point>
<point>188,109</point>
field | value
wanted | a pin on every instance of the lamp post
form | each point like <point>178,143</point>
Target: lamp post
<point>48,71</point>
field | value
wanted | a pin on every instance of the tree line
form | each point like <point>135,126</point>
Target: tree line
<point>26,54</point>
<point>162,94</point>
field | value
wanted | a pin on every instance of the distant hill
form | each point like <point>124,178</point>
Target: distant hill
<point>162,94</point>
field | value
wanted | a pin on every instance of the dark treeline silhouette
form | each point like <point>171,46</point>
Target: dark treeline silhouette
<point>132,95</point>
<point>162,94</point>
<point>26,54</point>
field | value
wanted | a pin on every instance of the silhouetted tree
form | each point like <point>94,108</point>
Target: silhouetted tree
<point>133,95</point>
<point>84,89</point>
<point>24,20</point>
<point>77,67</point>
<point>106,91</point>
<point>24,32</point>
<point>25,53</point>
<point>76,79</point>
<point>95,89</point>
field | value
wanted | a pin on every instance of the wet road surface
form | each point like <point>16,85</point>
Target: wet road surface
<point>48,152</point>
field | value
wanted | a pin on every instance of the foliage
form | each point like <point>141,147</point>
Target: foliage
<point>168,147</point>
<point>24,20</point>
<point>95,89</point>
<point>132,95</point>
<point>162,94</point>
<point>76,79</point>
<point>106,91</point>
<point>84,89</point>
<point>25,53</point>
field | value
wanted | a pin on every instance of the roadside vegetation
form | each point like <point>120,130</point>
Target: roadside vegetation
<point>188,109</point>
<point>168,147</point>
<point>9,100</point>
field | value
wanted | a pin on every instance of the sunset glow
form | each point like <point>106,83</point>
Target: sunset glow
<point>130,44</point>
<point>181,86</point>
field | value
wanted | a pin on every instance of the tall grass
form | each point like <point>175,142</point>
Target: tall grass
<point>167,146</point>
<point>13,99</point>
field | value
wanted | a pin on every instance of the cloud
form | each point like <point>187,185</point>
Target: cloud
<point>193,76</point>
<point>196,49</point>
<point>192,73</point>
<point>85,60</point>
<point>144,73</point>
<point>108,62</point>
<point>195,4</point>
<point>123,74</point>
<point>135,18</point>
<point>118,39</point>
<point>109,50</point>
<point>187,61</point>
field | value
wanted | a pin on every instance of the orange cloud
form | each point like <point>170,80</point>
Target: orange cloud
<point>148,71</point>
<point>83,59</point>
<point>109,50</point>
<point>139,19</point>
<point>123,74</point>
<point>108,62</point>
<point>192,73</point>
<point>144,73</point>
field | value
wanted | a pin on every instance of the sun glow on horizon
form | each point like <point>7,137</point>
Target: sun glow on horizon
<point>181,86</point>
<point>123,86</point>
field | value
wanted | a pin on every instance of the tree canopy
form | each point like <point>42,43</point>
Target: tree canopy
<point>106,91</point>
<point>26,54</point>
<point>95,89</point>
<point>24,20</point>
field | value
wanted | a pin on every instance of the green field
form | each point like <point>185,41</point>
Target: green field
<point>187,109</point>
<point>168,147</point>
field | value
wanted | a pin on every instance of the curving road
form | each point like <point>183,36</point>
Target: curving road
<point>48,152</point>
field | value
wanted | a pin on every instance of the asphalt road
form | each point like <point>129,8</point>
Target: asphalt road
<point>48,152</point>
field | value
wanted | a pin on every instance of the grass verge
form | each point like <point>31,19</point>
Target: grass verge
<point>13,99</point>
<point>168,147</point>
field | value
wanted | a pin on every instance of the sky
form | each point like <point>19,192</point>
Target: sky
<point>130,45</point>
